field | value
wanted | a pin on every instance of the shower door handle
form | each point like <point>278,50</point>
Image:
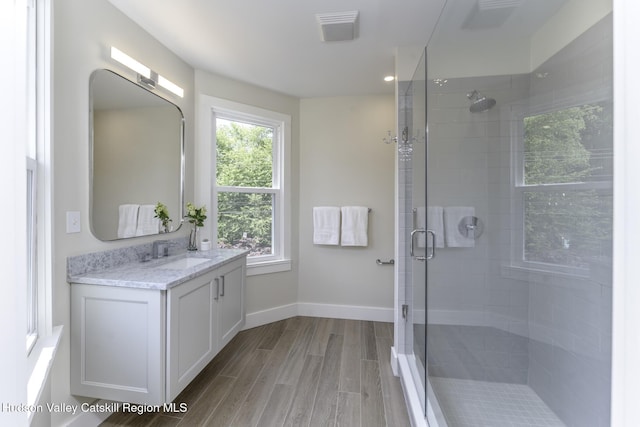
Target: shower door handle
<point>411,251</point>
<point>430,255</point>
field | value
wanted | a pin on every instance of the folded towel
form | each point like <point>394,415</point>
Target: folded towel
<point>326,225</point>
<point>355,221</point>
<point>452,217</point>
<point>434,222</point>
<point>147,224</point>
<point>127,220</point>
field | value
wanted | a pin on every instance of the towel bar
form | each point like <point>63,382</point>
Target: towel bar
<point>390,262</point>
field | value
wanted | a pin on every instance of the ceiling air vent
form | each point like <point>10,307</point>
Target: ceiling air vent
<point>488,14</point>
<point>337,27</point>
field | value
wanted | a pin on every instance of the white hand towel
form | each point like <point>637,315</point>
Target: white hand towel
<point>435,223</point>
<point>420,222</point>
<point>127,220</point>
<point>326,225</point>
<point>147,224</point>
<point>452,217</point>
<point>355,221</point>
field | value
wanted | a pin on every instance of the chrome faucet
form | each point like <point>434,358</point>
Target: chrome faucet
<point>160,248</point>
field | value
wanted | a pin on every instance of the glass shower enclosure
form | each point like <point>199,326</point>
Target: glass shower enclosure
<point>509,215</point>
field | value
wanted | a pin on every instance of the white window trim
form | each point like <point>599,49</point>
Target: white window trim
<point>33,326</point>
<point>43,350</point>
<point>45,172</point>
<point>209,108</point>
<point>518,264</point>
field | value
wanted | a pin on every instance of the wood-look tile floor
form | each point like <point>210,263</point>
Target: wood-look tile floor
<point>302,371</point>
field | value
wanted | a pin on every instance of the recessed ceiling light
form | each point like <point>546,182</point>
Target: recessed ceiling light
<point>389,78</point>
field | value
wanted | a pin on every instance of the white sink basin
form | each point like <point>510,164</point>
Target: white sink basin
<point>183,264</point>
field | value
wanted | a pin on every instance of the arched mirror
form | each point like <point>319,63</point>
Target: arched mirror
<point>137,159</point>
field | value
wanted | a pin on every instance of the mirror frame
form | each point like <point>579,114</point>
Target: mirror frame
<point>182,211</point>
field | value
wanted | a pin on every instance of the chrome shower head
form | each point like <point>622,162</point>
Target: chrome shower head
<point>480,103</point>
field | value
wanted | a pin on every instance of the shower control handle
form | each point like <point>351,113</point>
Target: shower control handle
<point>411,250</point>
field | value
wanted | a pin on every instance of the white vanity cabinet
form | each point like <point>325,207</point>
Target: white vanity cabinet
<point>204,314</point>
<point>231,315</point>
<point>117,339</point>
<point>191,336</point>
<point>145,345</point>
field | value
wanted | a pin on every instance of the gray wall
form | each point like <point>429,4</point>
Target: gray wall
<point>343,162</point>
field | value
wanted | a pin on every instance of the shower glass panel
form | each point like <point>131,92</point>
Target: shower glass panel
<point>413,137</point>
<point>519,193</point>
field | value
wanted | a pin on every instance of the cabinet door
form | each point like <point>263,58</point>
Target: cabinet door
<point>117,343</point>
<point>191,338</point>
<point>231,316</point>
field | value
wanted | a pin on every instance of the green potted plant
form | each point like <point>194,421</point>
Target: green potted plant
<point>196,217</point>
<point>162,213</point>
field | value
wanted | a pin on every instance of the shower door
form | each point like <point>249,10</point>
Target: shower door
<point>412,151</point>
<point>518,181</point>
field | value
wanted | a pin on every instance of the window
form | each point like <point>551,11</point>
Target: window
<point>247,193</point>
<point>32,181</point>
<point>38,174</point>
<point>32,264</point>
<point>564,188</point>
<point>250,183</point>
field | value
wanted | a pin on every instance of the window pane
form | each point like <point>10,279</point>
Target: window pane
<point>245,220</point>
<point>570,145</point>
<point>567,228</point>
<point>244,154</point>
<point>32,294</point>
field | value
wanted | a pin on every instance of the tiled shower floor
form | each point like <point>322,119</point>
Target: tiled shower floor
<point>467,403</point>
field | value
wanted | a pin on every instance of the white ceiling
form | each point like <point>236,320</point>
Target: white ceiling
<point>276,44</point>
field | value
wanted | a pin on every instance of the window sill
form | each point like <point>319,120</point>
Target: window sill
<point>39,365</point>
<point>268,267</point>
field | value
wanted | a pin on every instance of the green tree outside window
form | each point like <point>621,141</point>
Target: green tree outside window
<point>245,160</point>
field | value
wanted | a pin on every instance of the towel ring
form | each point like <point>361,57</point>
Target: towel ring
<point>471,227</point>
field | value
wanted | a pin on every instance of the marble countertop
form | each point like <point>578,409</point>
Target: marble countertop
<point>153,275</point>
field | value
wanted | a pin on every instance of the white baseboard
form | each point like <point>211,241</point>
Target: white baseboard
<point>394,362</point>
<point>271,315</point>
<point>352,312</point>
<point>334,311</point>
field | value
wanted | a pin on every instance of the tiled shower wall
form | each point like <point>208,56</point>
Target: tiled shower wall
<point>554,331</point>
<point>570,317</point>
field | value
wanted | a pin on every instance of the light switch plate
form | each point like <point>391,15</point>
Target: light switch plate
<point>73,222</point>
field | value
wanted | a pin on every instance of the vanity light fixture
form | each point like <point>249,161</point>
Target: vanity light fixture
<point>389,78</point>
<point>146,76</point>
<point>128,61</point>
<point>170,86</point>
